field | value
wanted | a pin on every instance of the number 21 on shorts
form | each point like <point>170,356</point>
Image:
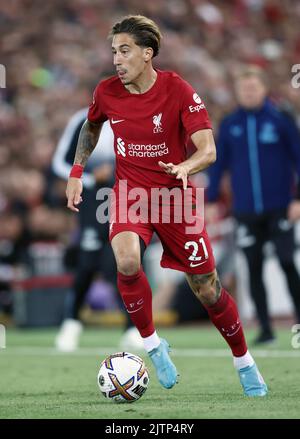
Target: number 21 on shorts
<point>194,257</point>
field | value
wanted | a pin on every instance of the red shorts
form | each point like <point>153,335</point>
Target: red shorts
<point>186,246</point>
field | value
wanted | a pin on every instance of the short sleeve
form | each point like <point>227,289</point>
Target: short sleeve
<point>194,115</point>
<point>96,113</point>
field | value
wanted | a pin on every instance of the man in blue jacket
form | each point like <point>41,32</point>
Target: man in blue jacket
<point>260,147</point>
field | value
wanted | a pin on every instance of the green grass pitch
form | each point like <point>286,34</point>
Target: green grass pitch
<point>38,382</point>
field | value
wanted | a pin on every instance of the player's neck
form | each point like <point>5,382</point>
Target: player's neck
<point>143,83</point>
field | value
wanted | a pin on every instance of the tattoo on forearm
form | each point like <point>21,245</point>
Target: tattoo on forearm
<point>88,138</point>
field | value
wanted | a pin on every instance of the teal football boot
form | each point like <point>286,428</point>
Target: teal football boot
<point>165,369</point>
<point>252,381</point>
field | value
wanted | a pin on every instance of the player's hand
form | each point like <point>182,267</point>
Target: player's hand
<point>293,213</point>
<point>103,173</point>
<point>73,193</point>
<point>180,171</point>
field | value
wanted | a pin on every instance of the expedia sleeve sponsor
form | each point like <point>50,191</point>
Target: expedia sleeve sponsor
<point>193,112</point>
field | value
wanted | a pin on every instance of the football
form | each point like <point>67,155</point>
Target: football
<point>123,377</point>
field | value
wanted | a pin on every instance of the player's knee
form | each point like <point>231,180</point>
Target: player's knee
<point>128,264</point>
<point>206,287</point>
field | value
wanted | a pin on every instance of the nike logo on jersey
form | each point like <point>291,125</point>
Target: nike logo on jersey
<point>117,121</point>
<point>196,265</point>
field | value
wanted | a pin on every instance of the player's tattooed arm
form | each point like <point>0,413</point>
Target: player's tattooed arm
<point>88,138</point>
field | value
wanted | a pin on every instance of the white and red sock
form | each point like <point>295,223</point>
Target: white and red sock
<point>244,361</point>
<point>137,297</point>
<point>224,315</point>
<point>151,342</point>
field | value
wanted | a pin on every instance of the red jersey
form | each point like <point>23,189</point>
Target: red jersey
<point>149,127</point>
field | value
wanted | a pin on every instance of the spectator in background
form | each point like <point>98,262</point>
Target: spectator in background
<point>95,253</point>
<point>260,147</point>
<point>11,229</point>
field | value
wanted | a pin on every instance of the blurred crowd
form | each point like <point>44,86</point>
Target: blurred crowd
<point>54,53</point>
